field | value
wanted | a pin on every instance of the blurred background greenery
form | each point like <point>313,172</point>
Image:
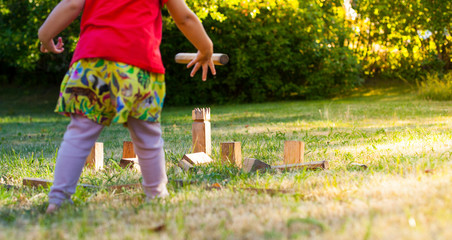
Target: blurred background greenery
<point>278,49</point>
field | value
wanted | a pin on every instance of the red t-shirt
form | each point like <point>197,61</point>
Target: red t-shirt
<point>128,31</point>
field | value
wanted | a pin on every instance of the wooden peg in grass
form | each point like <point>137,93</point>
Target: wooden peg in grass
<point>95,159</point>
<point>129,158</point>
<point>201,131</point>
<point>127,150</point>
<point>293,152</point>
<point>231,152</point>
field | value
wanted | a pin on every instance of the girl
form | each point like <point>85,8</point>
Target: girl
<point>116,75</point>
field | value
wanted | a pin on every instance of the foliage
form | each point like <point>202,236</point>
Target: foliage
<point>20,59</point>
<point>278,49</point>
<point>403,39</point>
<point>436,88</point>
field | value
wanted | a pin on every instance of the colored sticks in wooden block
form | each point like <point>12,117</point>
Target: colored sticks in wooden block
<point>231,152</point>
<point>95,159</point>
<point>293,152</point>
<point>201,130</point>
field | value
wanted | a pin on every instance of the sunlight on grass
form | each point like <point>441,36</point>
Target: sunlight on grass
<point>405,143</point>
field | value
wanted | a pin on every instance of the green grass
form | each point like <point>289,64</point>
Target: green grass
<point>435,88</point>
<point>404,194</point>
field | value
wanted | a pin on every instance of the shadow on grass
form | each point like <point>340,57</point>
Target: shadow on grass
<point>375,90</point>
<point>18,101</point>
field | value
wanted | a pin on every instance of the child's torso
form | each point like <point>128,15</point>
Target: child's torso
<point>126,31</point>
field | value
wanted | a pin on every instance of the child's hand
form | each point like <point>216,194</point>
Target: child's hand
<point>50,46</point>
<point>204,61</point>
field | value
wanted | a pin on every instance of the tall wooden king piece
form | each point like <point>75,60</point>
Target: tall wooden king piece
<point>201,131</point>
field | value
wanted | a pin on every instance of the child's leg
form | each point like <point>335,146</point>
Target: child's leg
<point>80,136</point>
<point>148,144</point>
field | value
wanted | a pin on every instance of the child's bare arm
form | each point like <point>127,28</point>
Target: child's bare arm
<point>189,24</point>
<point>61,16</point>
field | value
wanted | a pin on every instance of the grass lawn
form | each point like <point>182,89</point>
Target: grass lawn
<point>405,193</point>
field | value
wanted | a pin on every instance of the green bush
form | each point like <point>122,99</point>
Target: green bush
<point>279,49</point>
<point>21,62</point>
<point>435,87</point>
<point>403,39</point>
<point>279,52</point>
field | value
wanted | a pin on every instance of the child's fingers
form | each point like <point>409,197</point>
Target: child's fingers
<point>212,68</point>
<point>205,69</point>
<point>195,69</point>
<point>51,47</point>
<point>58,50</point>
<point>60,43</point>
<point>190,64</point>
<point>43,49</point>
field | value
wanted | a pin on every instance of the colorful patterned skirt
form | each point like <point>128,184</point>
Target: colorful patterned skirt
<point>106,91</point>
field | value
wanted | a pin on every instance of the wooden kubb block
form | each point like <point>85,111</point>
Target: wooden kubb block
<point>129,157</point>
<point>185,165</point>
<point>198,158</point>
<point>293,152</point>
<point>231,152</point>
<point>201,131</point>
<point>127,150</point>
<point>253,165</point>
<point>95,159</point>
<point>194,159</point>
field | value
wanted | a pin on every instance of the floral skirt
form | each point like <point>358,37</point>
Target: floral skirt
<point>106,91</point>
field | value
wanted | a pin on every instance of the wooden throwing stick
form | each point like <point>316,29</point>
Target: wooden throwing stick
<point>217,58</point>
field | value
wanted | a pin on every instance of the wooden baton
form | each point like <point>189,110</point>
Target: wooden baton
<point>218,58</point>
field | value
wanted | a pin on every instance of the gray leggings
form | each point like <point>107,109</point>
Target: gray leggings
<point>80,136</point>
